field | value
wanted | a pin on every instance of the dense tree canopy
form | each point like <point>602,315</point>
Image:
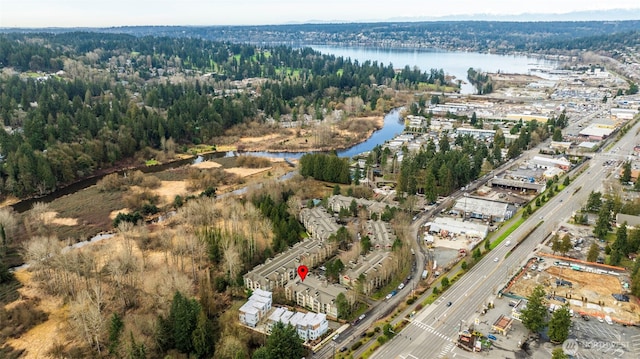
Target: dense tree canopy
<point>282,343</point>
<point>114,98</point>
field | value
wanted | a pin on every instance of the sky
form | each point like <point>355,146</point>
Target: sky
<point>107,13</point>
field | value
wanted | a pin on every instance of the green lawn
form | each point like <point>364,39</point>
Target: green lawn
<point>504,235</point>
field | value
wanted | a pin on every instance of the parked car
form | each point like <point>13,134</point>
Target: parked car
<point>449,304</point>
<point>492,337</point>
<point>495,259</point>
<point>343,349</point>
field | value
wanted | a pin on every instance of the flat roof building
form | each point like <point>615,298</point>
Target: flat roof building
<point>484,209</point>
<point>338,202</point>
<point>449,227</point>
<point>548,162</point>
<point>517,185</point>
<point>502,324</point>
<point>597,131</point>
<point>476,133</point>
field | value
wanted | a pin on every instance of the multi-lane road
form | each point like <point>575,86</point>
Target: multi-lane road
<point>432,331</point>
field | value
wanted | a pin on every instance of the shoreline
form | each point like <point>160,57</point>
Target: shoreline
<point>17,203</point>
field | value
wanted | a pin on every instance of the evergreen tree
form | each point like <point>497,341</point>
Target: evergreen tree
<point>202,337</point>
<point>176,330</point>
<point>626,172</point>
<point>603,223</point>
<point>556,244</point>
<point>565,245</point>
<point>594,250</point>
<point>534,316</point>
<point>559,325</point>
<point>594,203</point>
<point>116,326</point>
<point>283,343</point>
<point>620,246</point>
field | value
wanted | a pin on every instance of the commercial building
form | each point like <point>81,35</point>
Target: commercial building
<point>597,131</point>
<point>517,185</point>
<point>526,117</point>
<point>548,162</point>
<point>483,209</point>
<point>502,324</point>
<point>516,311</point>
<point>631,221</point>
<point>476,133</point>
<point>559,145</point>
<point>451,227</point>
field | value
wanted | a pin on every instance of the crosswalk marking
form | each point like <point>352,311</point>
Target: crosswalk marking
<point>447,348</point>
<point>429,329</point>
<point>635,343</point>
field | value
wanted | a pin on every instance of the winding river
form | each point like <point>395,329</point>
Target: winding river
<point>393,125</point>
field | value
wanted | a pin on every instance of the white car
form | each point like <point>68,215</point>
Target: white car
<point>495,259</point>
<point>508,243</point>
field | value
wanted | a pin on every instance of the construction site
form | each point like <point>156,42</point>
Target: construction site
<point>589,289</point>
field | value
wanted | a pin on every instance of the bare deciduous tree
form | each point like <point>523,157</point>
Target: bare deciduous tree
<point>86,316</point>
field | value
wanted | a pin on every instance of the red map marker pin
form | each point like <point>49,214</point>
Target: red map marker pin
<point>302,271</point>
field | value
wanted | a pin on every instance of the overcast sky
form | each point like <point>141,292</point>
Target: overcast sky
<point>104,13</point>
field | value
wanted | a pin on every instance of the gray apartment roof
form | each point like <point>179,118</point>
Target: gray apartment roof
<point>345,202</point>
<point>366,264</point>
<point>318,222</point>
<point>325,292</point>
<point>380,233</point>
<point>285,263</point>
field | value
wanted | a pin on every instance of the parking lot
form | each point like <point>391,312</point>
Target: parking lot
<point>594,339</point>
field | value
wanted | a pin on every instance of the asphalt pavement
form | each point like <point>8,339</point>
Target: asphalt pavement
<point>433,330</point>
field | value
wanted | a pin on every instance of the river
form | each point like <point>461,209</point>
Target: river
<point>454,63</point>
<point>393,125</point>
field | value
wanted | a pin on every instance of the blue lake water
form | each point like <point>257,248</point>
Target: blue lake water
<point>454,63</point>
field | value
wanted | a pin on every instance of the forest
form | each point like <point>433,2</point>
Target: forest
<point>481,36</point>
<point>75,103</point>
<point>443,167</point>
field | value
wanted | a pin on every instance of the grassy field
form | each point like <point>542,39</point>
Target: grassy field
<point>91,208</point>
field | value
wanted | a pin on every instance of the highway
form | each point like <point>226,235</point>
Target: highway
<point>432,331</point>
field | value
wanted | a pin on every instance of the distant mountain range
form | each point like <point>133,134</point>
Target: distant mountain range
<point>603,15</point>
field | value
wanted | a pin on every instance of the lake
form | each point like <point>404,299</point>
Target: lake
<point>453,63</point>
